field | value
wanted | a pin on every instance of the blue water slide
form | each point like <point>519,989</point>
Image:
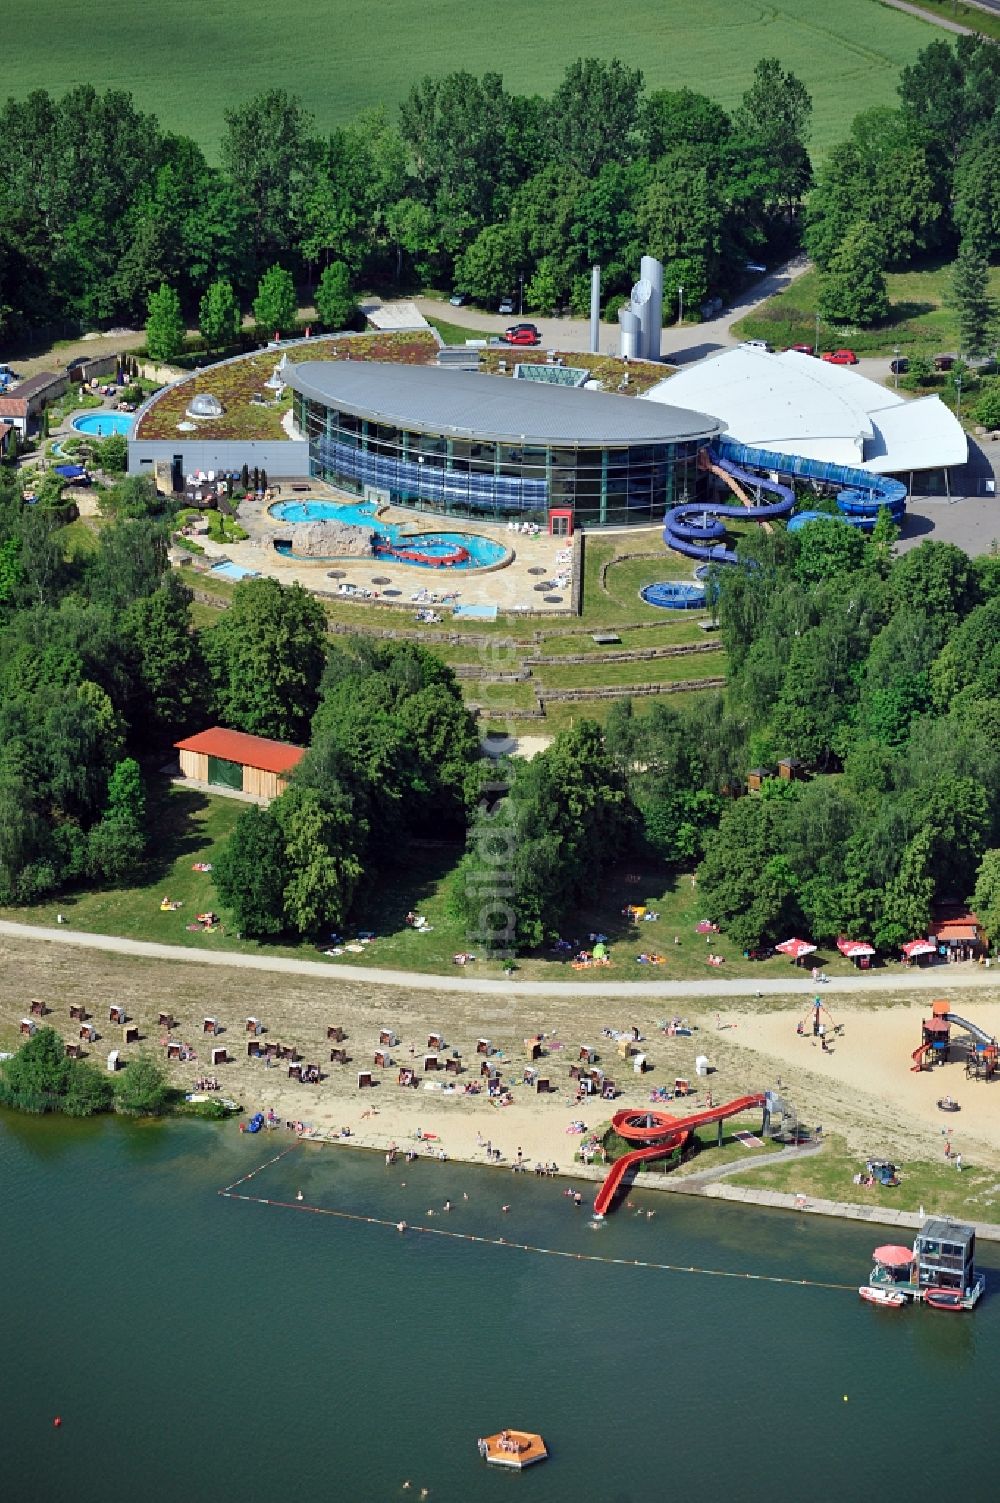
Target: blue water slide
<point>695,528</point>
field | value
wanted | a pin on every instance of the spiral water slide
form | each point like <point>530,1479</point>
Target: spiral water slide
<point>695,528</point>
<point>659,1135</point>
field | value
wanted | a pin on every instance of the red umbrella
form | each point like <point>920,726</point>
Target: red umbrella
<point>917,947</point>
<point>893,1255</point>
<point>796,949</point>
<point>854,949</point>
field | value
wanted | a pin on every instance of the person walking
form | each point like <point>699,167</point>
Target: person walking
<point>958,1162</point>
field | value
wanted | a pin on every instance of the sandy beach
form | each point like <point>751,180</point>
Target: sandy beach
<point>863,1089</point>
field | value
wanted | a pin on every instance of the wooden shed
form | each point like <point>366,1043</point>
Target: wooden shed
<point>791,769</point>
<point>756,777</point>
<point>234,762</point>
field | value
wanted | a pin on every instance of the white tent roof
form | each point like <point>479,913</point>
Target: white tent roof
<point>795,404</point>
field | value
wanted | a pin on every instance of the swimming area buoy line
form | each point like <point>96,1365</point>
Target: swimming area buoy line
<point>232,1192</point>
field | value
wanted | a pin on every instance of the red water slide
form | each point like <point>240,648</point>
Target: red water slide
<point>659,1135</point>
<point>918,1056</point>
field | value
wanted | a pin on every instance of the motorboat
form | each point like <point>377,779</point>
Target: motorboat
<point>875,1294</point>
<point>946,1299</point>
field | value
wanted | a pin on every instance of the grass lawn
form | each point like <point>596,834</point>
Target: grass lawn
<point>192,827</point>
<point>922,322</point>
<point>340,58</point>
<point>456,333</point>
<point>938,1187</point>
<point>646,671</point>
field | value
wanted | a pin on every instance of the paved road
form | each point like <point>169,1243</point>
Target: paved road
<point>926,15</point>
<point>878,984</point>
<point>679,345</point>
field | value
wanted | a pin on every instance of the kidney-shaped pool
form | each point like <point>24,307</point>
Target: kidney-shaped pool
<point>425,550</point>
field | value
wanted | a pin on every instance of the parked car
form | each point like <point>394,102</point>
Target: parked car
<point>506,305</point>
<point>899,366</point>
<point>802,349</point>
<point>754,344</point>
<point>522,337</point>
<point>756,267</point>
<point>531,328</point>
<point>839,357</point>
<point>944,362</point>
<point>459,299</point>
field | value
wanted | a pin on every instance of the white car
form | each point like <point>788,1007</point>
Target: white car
<point>755,344</point>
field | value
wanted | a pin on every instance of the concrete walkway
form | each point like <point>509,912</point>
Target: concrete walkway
<point>872,985</point>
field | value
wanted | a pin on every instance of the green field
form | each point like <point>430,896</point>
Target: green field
<point>922,320</point>
<point>189,62</point>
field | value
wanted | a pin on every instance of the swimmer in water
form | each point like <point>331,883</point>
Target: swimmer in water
<point>505,1208</point>
<point>299,1196</point>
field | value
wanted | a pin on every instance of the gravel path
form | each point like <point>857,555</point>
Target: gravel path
<point>868,986</point>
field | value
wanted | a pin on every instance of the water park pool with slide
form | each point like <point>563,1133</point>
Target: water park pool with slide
<point>103,424</point>
<point>464,550</point>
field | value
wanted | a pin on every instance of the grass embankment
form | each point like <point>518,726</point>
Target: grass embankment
<point>391,45</point>
<point>937,1187</point>
<point>922,321</point>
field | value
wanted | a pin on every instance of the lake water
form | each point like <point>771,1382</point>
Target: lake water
<point>201,1347</point>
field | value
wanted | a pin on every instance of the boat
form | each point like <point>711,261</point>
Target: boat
<point>946,1299</point>
<point>875,1295</point>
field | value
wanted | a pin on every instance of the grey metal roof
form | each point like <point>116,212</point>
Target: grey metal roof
<point>472,405</point>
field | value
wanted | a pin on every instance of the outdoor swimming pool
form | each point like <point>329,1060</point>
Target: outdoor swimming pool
<point>103,424</point>
<point>434,547</point>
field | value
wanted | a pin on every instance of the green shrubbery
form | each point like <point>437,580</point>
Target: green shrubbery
<point>39,1078</point>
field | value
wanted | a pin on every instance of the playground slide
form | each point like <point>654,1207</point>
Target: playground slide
<point>918,1056</point>
<point>660,1134</point>
<point>695,529</point>
<point>979,1034</point>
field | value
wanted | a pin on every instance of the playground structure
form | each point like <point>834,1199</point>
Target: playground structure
<point>659,1135</point>
<point>981,1063</point>
<point>696,528</point>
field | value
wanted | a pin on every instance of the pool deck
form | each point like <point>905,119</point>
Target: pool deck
<point>510,586</point>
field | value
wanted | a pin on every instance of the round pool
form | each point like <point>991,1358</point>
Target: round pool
<point>426,550</point>
<point>103,424</point>
<point>675,595</point>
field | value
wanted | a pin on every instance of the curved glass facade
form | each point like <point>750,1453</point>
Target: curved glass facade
<point>624,483</point>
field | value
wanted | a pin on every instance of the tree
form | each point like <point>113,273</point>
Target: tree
<point>276,305</point>
<point>89,1091</point>
<point>748,886</point>
<point>164,324</point>
<point>987,408</point>
<point>251,874</point>
<point>335,302</point>
<point>321,857</point>
<point>828,547</point>
<point>265,659</point>
<point>117,843</point>
<point>266,152</point>
<point>112,454</point>
<point>594,114</point>
<point>937,579</point>
<point>854,289</point>
<point>970,296</point>
<point>772,123</point>
<point>492,264</point>
<point>986,897</point>
<point>219,317</point>
<point>141,1089</point>
<point>169,671</point>
<point>130,561</point>
<point>37,1078</point>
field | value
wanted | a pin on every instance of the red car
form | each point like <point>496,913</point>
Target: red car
<point>802,349</point>
<point>521,336</point>
<point>840,357</point>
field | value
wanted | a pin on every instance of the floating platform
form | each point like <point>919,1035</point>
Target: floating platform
<point>514,1448</point>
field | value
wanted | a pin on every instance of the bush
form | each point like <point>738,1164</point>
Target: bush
<point>141,1089</point>
<point>987,409</point>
